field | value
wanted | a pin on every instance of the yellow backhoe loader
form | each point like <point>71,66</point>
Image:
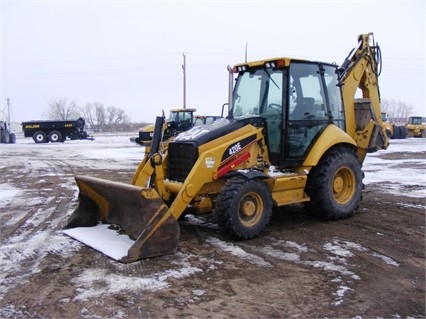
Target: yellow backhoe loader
<point>294,134</point>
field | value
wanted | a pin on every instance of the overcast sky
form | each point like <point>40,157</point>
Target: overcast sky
<point>128,54</point>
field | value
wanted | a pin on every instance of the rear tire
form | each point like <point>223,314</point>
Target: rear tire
<point>243,207</point>
<point>396,134</point>
<point>40,137</point>
<point>55,136</point>
<point>4,137</point>
<point>335,185</point>
<point>403,132</point>
<point>12,139</point>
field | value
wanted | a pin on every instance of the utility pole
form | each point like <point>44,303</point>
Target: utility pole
<point>184,80</point>
<point>8,110</point>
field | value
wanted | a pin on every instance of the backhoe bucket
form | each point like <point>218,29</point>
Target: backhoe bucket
<point>139,212</point>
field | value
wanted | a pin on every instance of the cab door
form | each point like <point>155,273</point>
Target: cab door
<point>306,114</point>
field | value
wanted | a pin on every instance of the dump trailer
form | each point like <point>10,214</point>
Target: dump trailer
<point>294,133</point>
<point>56,131</point>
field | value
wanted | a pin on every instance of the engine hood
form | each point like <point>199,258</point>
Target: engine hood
<point>205,133</point>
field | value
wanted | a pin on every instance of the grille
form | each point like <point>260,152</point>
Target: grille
<point>182,157</point>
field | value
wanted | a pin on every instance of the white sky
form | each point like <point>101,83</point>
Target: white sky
<point>128,54</point>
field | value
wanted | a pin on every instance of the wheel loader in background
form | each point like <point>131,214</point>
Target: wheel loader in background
<point>179,120</point>
<point>294,134</point>
<point>415,127</point>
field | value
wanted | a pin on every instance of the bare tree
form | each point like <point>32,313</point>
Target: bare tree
<point>59,109</point>
<point>115,117</point>
<point>105,119</point>
<point>396,109</point>
<point>94,114</point>
<point>100,116</point>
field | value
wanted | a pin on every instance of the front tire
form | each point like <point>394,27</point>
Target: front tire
<point>243,207</point>
<point>40,137</point>
<point>335,185</point>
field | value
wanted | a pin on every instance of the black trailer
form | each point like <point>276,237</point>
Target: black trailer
<point>55,131</point>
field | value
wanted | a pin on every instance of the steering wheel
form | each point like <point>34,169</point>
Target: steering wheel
<point>275,107</point>
<point>273,112</point>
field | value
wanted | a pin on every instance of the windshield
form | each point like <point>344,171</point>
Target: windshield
<point>179,116</point>
<point>255,90</point>
<point>415,120</point>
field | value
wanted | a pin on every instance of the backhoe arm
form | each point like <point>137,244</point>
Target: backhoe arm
<point>361,70</point>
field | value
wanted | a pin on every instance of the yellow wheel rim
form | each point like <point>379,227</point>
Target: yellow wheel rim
<point>344,185</point>
<point>250,209</point>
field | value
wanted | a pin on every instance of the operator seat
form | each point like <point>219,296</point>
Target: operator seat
<point>305,108</point>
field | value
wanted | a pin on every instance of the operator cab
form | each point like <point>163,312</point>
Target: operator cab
<point>297,100</point>
<point>181,120</point>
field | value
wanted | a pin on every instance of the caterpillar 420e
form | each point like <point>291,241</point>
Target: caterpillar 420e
<point>294,134</point>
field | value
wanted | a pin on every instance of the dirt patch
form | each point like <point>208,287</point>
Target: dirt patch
<point>371,265</point>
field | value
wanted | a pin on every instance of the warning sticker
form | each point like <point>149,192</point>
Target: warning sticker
<point>210,162</point>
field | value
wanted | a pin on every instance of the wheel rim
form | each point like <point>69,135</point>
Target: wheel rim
<point>344,185</point>
<point>39,137</point>
<point>54,137</point>
<point>251,209</point>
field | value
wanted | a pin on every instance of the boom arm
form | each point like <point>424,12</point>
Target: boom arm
<point>361,69</point>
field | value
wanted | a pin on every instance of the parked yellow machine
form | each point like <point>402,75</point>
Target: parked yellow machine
<point>388,126</point>
<point>179,120</point>
<point>416,127</point>
<point>294,134</point>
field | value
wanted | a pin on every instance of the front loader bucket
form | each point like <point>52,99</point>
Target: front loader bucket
<point>139,211</point>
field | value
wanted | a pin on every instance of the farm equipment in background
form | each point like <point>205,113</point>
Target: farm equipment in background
<point>55,131</point>
<point>388,126</point>
<point>416,127</point>
<point>179,120</point>
<point>6,135</point>
<point>294,134</point>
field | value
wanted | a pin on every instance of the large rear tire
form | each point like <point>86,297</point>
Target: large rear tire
<point>335,185</point>
<point>243,207</point>
<point>403,132</point>
<point>4,137</point>
<point>12,139</point>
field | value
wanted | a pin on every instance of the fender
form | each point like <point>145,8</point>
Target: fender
<point>331,136</point>
<point>248,173</point>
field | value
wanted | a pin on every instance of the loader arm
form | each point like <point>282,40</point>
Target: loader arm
<point>207,170</point>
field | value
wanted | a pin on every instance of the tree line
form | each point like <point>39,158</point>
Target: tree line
<point>110,119</point>
<point>98,117</point>
<point>397,110</point>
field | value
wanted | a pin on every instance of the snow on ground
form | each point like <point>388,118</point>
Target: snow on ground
<point>402,181</point>
<point>15,250</point>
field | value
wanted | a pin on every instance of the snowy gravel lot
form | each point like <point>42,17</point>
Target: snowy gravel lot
<point>371,265</point>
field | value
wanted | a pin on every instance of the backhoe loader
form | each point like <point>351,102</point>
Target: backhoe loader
<point>294,134</point>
